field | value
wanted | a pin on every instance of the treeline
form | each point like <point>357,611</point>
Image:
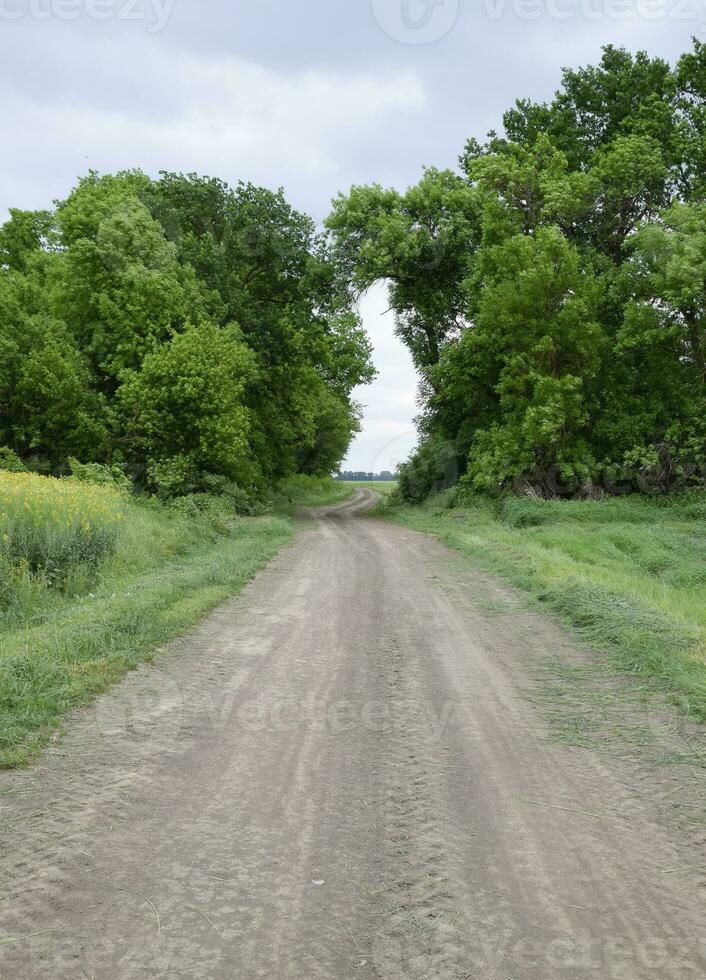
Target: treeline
<point>184,332</point>
<point>360,476</point>
<point>553,291</point>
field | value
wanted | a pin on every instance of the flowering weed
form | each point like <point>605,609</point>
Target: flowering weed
<point>55,527</point>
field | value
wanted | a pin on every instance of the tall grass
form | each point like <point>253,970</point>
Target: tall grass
<point>628,574</point>
<point>54,528</point>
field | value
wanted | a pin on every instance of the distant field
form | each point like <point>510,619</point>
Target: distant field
<point>383,486</point>
<point>628,574</point>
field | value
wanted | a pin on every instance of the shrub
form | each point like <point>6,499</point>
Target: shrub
<point>55,527</point>
<point>433,467</point>
<point>245,502</point>
<point>10,461</point>
<point>304,490</point>
<point>100,475</point>
<point>172,477</point>
<point>215,514</point>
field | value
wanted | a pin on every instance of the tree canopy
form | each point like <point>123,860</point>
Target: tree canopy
<point>179,328</point>
<point>552,290</point>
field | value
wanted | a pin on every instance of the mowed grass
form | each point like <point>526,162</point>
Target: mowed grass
<point>628,574</point>
<point>166,571</point>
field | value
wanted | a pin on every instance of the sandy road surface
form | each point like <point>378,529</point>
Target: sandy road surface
<point>340,775</point>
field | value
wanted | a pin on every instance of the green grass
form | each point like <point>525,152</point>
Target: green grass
<point>626,574</point>
<point>309,491</point>
<point>384,487</point>
<point>168,570</point>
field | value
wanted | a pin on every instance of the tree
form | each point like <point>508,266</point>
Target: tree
<point>49,409</point>
<point>133,285</point>
<point>559,331</point>
<point>663,339</point>
<point>263,267</point>
<point>119,286</point>
<point>184,412</point>
<point>24,236</point>
<point>422,243</point>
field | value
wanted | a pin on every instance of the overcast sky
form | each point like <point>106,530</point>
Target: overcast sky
<point>310,95</point>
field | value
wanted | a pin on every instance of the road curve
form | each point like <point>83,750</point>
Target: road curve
<point>340,774</point>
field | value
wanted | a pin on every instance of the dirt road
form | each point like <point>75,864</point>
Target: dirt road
<point>341,774</point>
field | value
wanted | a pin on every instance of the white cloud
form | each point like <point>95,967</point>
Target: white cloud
<point>235,113</point>
<point>231,118</point>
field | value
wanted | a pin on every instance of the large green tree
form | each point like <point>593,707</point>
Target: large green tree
<point>551,291</point>
<point>179,327</point>
<point>183,411</point>
<point>263,267</point>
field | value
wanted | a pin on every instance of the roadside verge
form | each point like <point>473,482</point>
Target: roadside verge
<point>626,576</point>
<point>171,567</point>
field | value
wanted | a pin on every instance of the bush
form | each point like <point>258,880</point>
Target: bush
<point>55,527</point>
<point>172,477</point>
<point>10,461</point>
<point>100,475</point>
<point>245,502</point>
<point>433,467</point>
<point>214,513</point>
